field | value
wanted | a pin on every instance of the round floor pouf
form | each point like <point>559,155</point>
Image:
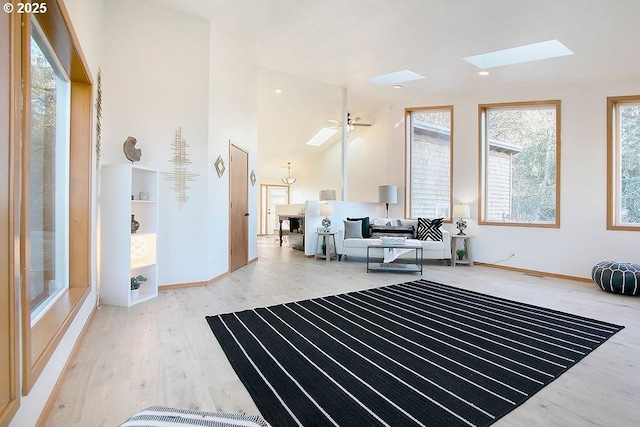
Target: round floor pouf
<point>617,277</point>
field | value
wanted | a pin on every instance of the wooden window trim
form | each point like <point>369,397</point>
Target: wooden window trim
<point>9,216</point>
<point>482,108</point>
<point>612,190</point>
<point>39,342</point>
<point>407,157</point>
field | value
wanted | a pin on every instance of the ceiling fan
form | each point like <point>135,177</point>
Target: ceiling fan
<point>351,122</point>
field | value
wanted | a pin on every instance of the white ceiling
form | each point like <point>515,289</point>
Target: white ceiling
<point>312,48</point>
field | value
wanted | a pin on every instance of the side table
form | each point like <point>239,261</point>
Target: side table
<point>466,245</point>
<point>330,251</point>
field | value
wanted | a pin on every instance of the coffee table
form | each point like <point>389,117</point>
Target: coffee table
<point>406,267</point>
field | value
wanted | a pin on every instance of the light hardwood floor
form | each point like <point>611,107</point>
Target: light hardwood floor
<point>162,352</point>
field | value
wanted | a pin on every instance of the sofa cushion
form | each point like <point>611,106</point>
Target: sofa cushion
<point>429,229</point>
<point>365,226</point>
<point>411,222</point>
<point>353,229</point>
<point>387,230</point>
<point>387,221</point>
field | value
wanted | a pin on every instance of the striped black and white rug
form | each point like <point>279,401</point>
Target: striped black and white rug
<point>417,353</point>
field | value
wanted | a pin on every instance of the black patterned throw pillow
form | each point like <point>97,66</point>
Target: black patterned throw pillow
<point>429,229</point>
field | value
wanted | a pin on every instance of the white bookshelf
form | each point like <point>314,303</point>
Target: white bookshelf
<point>124,254</point>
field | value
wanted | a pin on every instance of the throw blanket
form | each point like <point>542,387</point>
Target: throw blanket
<point>391,254</point>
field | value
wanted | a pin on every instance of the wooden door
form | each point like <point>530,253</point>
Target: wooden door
<point>238,207</point>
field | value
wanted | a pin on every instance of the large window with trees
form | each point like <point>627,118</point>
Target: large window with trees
<point>520,163</point>
<point>623,203</point>
<point>48,177</point>
<point>429,139</point>
<point>55,184</point>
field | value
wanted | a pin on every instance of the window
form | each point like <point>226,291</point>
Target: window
<point>48,178</point>
<point>55,185</point>
<point>520,163</point>
<point>623,135</point>
<point>428,144</point>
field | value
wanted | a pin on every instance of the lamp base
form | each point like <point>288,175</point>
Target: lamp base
<point>461,224</point>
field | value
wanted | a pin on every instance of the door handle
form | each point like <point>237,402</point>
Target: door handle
<point>247,214</point>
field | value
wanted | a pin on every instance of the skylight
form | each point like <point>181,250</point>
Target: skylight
<point>322,136</point>
<point>396,77</point>
<point>520,54</point>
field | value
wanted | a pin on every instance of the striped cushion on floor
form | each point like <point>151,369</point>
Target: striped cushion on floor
<point>161,416</point>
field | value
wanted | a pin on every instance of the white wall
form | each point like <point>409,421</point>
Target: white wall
<point>582,239</point>
<point>232,119</point>
<point>164,70</point>
<point>155,79</point>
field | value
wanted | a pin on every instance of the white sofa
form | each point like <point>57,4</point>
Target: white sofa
<point>357,247</point>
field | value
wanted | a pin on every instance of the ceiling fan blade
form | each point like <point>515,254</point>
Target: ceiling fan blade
<point>360,124</point>
<point>334,121</point>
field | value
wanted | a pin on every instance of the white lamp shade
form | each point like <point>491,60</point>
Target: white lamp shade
<point>387,194</point>
<point>326,209</point>
<point>327,195</point>
<point>461,211</point>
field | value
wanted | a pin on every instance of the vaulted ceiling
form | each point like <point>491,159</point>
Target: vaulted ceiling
<point>312,48</point>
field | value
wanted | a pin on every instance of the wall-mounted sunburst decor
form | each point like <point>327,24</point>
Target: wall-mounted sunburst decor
<point>253,177</point>
<point>180,175</point>
<point>98,116</point>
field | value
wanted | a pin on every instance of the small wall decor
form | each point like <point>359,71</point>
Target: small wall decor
<point>180,175</point>
<point>98,116</point>
<point>132,153</point>
<point>219,165</point>
<point>253,177</point>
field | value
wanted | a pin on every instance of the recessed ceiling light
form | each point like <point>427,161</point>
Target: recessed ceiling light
<point>278,91</point>
<point>483,73</point>
<point>517,55</point>
<point>397,86</point>
<point>396,77</point>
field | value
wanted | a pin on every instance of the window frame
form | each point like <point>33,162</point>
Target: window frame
<point>39,341</point>
<point>408,156</point>
<point>483,158</point>
<point>613,190</point>
<point>9,216</point>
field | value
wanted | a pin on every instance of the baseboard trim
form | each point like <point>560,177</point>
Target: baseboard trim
<point>48,406</point>
<point>193,284</point>
<point>535,272</point>
<point>199,284</point>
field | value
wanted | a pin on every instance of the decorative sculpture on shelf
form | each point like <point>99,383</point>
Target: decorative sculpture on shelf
<point>132,153</point>
<point>135,225</point>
